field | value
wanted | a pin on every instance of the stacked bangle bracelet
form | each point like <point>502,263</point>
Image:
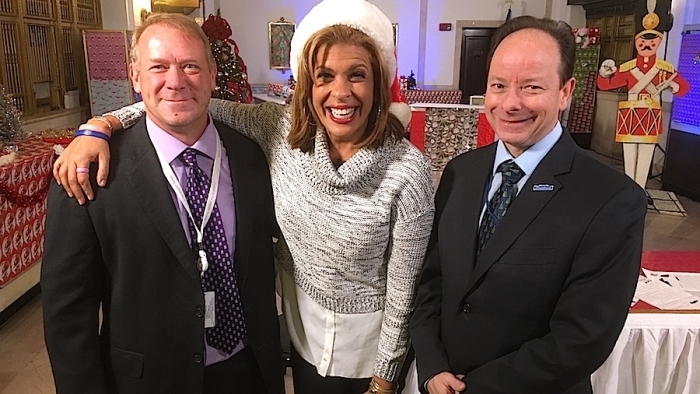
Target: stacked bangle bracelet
<point>105,121</point>
<point>375,388</point>
<point>91,133</point>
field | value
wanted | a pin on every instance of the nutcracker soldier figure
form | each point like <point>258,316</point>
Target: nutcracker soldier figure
<point>639,117</point>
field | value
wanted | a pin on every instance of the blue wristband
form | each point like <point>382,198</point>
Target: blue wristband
<point>91,133</point>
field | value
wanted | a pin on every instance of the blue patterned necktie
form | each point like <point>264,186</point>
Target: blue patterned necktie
<point>220,278</point>
<point>511,174</point>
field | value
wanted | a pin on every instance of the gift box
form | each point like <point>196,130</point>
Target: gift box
<point>275,88</point>
<point>432,96</point>
<point>23,187</point>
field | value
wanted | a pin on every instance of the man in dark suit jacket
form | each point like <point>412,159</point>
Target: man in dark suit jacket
<point>127,252</point>
<point>532,300</point>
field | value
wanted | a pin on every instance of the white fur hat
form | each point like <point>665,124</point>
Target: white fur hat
<point>361,15</point>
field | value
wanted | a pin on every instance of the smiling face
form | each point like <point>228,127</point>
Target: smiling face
<point>342,92</point>
<point>175,80</point>
<point>524,94</point>
<point>647,47</point>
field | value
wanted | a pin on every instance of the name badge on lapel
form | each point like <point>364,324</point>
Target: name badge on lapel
<point>542,187</point>
<point>209,308</point>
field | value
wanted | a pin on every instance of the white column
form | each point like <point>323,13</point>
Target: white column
<point>574,15</point>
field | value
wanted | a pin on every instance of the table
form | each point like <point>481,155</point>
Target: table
<point>23,187</point>
<point>261,97</point>
<point>656,353</point>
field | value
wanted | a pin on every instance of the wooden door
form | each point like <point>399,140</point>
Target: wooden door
<point>473,73</point>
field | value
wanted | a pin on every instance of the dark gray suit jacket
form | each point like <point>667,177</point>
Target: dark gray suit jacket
<point>542,306</point>
<point>128,252</point>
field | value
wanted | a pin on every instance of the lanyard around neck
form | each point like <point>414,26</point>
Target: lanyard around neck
<point>211,198</point>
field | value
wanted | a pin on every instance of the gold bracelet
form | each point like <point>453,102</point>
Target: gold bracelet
<point>105,120</point>
<point>375,388</point>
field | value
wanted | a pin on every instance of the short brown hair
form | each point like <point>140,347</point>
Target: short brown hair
<point>380,124</point>
<point>559,31</point>
<point>176,21</point>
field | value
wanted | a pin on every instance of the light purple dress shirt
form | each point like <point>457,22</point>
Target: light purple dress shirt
<point>171,148</point>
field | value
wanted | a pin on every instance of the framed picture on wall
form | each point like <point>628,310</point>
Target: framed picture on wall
<point>395,26</point>
<point>280,37</point>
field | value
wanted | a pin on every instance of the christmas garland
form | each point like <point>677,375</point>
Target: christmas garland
<point>24,200</point>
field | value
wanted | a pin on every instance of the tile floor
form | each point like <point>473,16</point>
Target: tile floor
<point>24,364</point>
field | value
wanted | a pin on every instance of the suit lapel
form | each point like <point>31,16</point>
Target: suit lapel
<point>243,201</point>
<point>526,206</point>
<point>152,191</point>
<point>468,214</point>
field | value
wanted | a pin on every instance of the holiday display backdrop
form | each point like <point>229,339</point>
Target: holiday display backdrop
<point>108,76</point>
<point>685,109</point>
<point>232,75</point>
<point>23,187</point>
<point>10,127</point>
<point>585,73</point>
<point>681,173</point>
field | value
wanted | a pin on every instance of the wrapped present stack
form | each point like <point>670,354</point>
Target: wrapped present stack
<point>23,187</point>
<point>432,96</point>
<point>585,72</point>
<point>282,91</point>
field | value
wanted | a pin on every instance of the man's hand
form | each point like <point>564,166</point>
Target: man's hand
<point>607,68</point>
<point>446,383</point>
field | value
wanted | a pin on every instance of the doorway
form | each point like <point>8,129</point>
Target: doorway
<point>472,68</point>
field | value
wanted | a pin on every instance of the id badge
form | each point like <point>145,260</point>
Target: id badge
<point>209,303</point>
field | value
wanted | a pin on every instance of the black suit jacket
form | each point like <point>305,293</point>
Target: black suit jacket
<point>127,252</point>
<point>542,306</point>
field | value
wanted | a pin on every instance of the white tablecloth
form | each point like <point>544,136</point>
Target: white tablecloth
<point>656,353</point>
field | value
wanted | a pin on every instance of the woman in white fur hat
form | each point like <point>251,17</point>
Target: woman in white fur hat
<point>353,198</point>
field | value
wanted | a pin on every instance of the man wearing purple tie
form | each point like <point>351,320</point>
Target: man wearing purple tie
<point>176,251</point>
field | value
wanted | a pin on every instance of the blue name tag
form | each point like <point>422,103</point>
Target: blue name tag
<point>542,188</point>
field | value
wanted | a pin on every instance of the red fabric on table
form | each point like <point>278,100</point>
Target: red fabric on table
<point>671,261</point>
<point>642,306</point>
<point>417,129</point>
<point>484,134</point>
<point>22,228</point>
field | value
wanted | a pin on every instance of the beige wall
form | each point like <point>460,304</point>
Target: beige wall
<point>114,16</point>
<point>249,23</point>
<point>418,22</point>
<point>440,51</point>
<point>59,119</point>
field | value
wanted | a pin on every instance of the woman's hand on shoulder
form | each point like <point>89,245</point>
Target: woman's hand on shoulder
<point>71,169</point>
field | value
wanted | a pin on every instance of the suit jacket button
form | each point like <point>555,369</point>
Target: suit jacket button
<point>466,308</point>
<point>198,358</point>
<point>199,311</point>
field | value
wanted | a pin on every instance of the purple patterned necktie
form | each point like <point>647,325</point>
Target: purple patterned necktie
<point>511,174</point>
<point>220,278</point>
